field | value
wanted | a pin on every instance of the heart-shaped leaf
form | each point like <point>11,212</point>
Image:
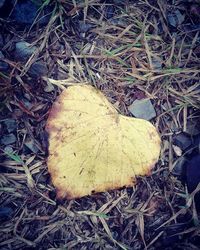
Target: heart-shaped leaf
<point>92,148</point>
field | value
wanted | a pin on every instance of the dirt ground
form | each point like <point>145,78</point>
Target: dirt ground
<point>129,50</point>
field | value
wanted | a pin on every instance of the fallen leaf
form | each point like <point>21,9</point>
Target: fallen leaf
<point>92,148</point>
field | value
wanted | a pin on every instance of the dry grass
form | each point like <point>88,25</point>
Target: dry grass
<point>126,57</point>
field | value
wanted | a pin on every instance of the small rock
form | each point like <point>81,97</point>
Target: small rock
<point>8,139</point>
<point>8,149</point>
<point>29,143</point>
<point>5,212</point>
<point>1,55</point>
<point>11,125</point>
<point>179,169</point>
<point>84,27</point>
<point>3,65</point>
<point>193,177</point>
<point>38,69</point>
<point>182,141</point>
<point>25,12</point>
<point>142,109</point>
<point>193,173</point>
<point>26,103</point>
<point>175,18</point>
<point>24,50</point>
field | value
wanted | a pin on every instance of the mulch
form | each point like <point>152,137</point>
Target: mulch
<point>129,51</point>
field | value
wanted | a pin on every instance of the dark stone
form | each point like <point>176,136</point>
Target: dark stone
<point>193,177</point>
<point>30,144</point>
<point>179,169</point>
<point>38,69</point>
<point>5,212</point>
<point>8,149</point>
<point>24,50</point>
<point>84,27</point>
<point>8,139</point>
<point>193,173</point>
<point>26,103</point>
<point>25,12</point>
<point>79,27</point>
<point>182,141</point>
<point>175,18</point>
<point>11,125</point>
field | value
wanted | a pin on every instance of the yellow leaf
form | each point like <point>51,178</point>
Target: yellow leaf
<point>92,148</point>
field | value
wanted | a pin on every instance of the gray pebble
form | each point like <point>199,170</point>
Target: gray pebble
<point>175,18</point>
<point>26,103</point>
<point>24,50</point>
<point>8,139</point>
<point>179,168</point>
<point>11,125</point>
<point>8,149</point>
<point>142,109</point>
<point>84,27</point>
<point>5,212</point>
<point>26,11</point>
<point>182,141</point>
<point>38,69</point>
<point>31,145</point>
